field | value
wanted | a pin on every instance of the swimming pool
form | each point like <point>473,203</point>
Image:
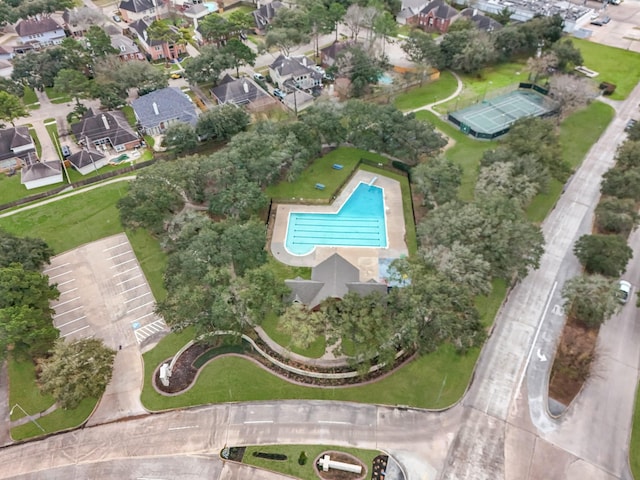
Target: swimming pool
<point>212,7</point>
<point>360,222</point>
<point>385,79</point>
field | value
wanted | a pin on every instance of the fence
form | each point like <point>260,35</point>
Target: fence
<point>81,183</point>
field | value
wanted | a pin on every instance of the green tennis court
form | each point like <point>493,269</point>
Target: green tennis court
<point>492,118</point>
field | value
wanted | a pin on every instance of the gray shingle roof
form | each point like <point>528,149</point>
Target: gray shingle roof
<point>32,26</point>
<point>39,170</point>
<point>237,90</point>
<point>481,21</point>
<point>123,44</point>
<point>170,104</point>
<point>86,156</point>
<point>137,5</point>
<point>11,138</point>
<point>94,127</point>
<point>303,291</point>
<point>263,15</point>
<point>440,9</point>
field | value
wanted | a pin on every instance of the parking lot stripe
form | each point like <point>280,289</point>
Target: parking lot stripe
<point>115,246</point>
<point>133,288</point>
<point>68,291</point>
<point>68,281</point>
<point>122,273</point>
<point>77,330</point>
<point>126,261</point>
<point>68,311</point>
<point>140,306</point>
<point>70,322</point>
<point>129,279</point>
<point>66,301</point>
<point>139,296</point>
<point>60,274</point>
<point>144,316</point>
<point>120,254</point>
<point>53,268</point>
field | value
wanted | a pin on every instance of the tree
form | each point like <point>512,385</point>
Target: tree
<point>633,133</point>
<point>125,75</point>
<point>325,118</point>
<point>508,41</point>
<point>385,25</point>
<point>620,183</point>
<point>99,43</point>
<point>501,178</point>
<point>437,180</point>
<point>616,215</point>
<point>180,138</point>
<point>335,13</point>
<point>571,93</point>
<point>31,253</point>
<point>160,31</point>
<point>74,83</point>
<point>493,227</point>
<point>240,54</point>
<point>590,299</point>
<point>356,18</point>
<point>628,155</point>
<point>222,123</point>
<point>567,54</point>
<point>85,17</point>
<point>38,69</point>
<point>11,107</point>
<point>76,371</point>
<point>603,254</point>
<point>10,86</point>
<point>240,21</point>
<point>25,315</point>
<point>215,28</point>
<point>207,67</point>
<point>303,326</point>
<point>541,66</point>
<point>422,50</point>
<point>361,68</point>
<point>285,39</point>
<point>478,52</point>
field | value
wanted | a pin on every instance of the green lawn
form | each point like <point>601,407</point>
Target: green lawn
<point>270,326</point>
<point>56,421</point>
<point>615,65</point>
<point>240,8</point>
<point>23,389</point>
<point>153,260</point>
<point>11,189</point>
<point>321,171</point>
<point>428,93</point>
<point>36,140</point>
<point>634,448</point>
<point>127,110</point>
<point>291,467</point>
<point>30,98</point>
<point>55,96</point>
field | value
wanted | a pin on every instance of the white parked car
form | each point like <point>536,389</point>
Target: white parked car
<point>624,291</point>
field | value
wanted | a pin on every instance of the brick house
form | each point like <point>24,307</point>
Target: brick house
<point>156,49</point>
<point>436,17</point>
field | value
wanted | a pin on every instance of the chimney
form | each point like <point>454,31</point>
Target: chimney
<point>155,108</point>
<point>245,87</point>
<point>105,122</point>
<point>304,61</point>
<point>475,12</point>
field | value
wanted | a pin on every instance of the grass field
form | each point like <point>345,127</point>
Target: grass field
<point>55,96</point>
<point>11,189</point>
<point>291,467</point>
<point>30,99</point>
<point>428,93</point>
<point>270,326</point>
<point>634,448</point>
<point>615,65</point>
<point>23,389</point>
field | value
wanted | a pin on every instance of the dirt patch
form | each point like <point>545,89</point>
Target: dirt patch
<point>572,362</point>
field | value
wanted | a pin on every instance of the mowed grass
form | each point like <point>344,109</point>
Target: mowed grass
<point>56,96</point>
<point>11,189</point>
<point>291,467</point>
<point>428,93</point>
<point>23,389</point>
<point>270,325</point>
<point>634,448</point>
<point>615,65</point>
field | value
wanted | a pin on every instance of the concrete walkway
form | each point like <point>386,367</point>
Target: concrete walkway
<point>430,106</point>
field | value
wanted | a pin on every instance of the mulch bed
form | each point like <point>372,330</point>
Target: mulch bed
<point>333,474</point>
<point>572,362</point>
<point>379,467</point>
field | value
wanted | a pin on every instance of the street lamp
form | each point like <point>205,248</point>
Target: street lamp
<point>27,415</point>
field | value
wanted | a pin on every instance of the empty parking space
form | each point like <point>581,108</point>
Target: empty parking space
<point>104,293</point>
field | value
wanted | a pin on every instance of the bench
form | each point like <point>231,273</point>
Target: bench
<point>337,166</point>
<point>319,186</point>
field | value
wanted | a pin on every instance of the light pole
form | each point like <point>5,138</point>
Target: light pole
<point>27,415</point>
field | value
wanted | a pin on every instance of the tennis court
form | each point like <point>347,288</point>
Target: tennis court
<point>492,118</point>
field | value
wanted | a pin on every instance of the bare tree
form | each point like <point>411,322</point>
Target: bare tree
<point>358,17</point>
<point>85,17</point>
<point>571,93</point>
<point>540,66</point>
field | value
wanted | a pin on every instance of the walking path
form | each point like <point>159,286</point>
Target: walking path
<point>430,106</point>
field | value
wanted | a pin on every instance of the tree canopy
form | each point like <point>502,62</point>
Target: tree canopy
<point>590,299</point>
<point>603,254</point>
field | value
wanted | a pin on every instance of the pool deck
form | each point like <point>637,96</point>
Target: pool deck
<point>364,258</point>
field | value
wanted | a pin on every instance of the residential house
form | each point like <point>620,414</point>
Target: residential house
<point>242,91</point>
<point>132,10</point>
<point>329,54</point>
<point>410,10</point>
<point>159,109</point>
<point>127,49</point>
<point>40,174</point>
<point>78,21</point>
<point>482,22</point>
<point>17,148</point>
<point>197,11</point>
<point>264,15</point>
<point>104,130</point>
<point>156,49</point>
<point>39,32</point>
<point>436,17</point>
<point>299,71</point>
<point>332,278</point>
<point>87,160</point>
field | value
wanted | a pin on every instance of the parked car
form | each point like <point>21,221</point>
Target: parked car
<point>624,291</point>
<point>176,75</point>
<point>258,76</point>
<point>116,19</point>
<point>630,124</point>
<point>279,93</point>
<point>66,152</point>
<point>606,19</point>
<point>597,23</point>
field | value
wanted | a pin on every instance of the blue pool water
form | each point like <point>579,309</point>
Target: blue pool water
<point>385,79</point>
<point>212,7</point>
<point>359,223</point>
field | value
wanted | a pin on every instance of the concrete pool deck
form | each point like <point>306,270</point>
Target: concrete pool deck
<point>366,259</point>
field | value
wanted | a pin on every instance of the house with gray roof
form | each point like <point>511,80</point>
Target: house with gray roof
<point>482,22</point>
<point>132,10</point>
<point>41,31</point>
<point>40,174</point>
<point>17,148</point>
<point>332,278</point>
<point>127,48</point>
<point>263,16</point>
<point>87,160</point>
<point>436,17</point>
<point>157,110</point>
<point>105,129</point>
<point>299,71</point>
<point>156,49</point>
<point>409,11</point>
<point>242,91</point>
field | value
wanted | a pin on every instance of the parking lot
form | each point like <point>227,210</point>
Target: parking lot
<point>622,31</point>
<point>104,294</point>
